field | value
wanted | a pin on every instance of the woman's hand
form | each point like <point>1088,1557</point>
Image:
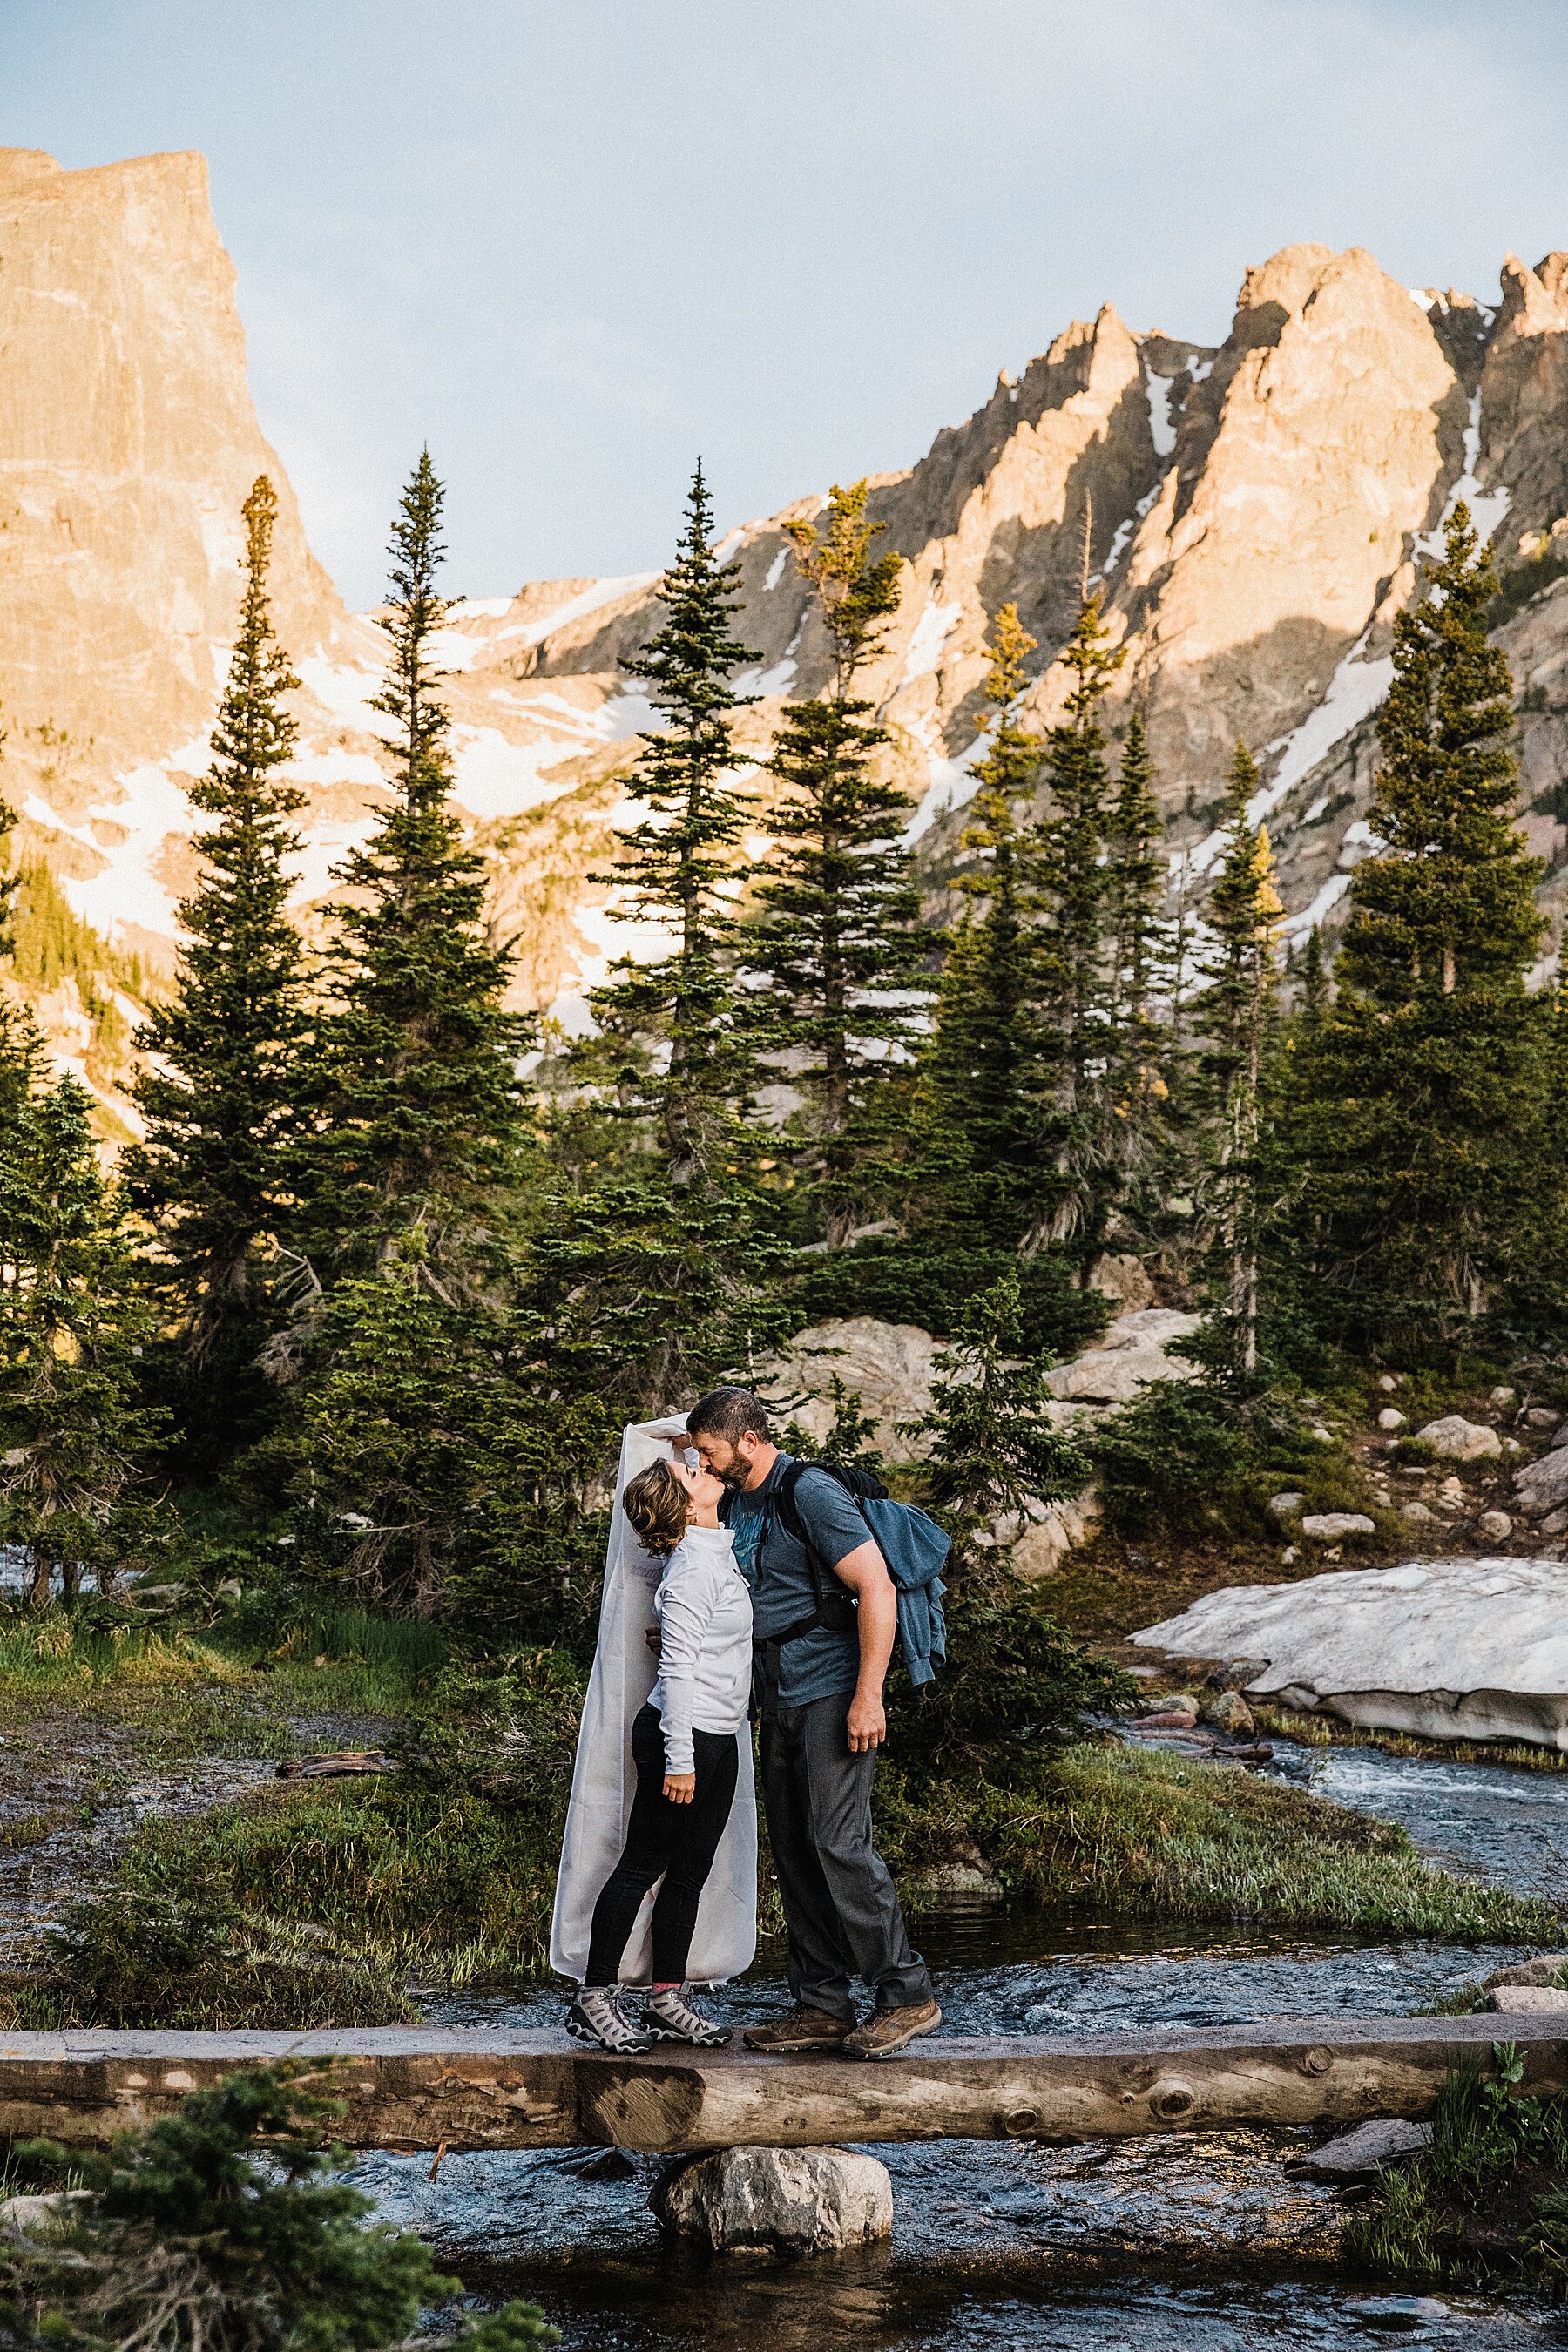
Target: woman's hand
<point>680,1788</point>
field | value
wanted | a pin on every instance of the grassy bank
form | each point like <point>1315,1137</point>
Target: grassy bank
<point>1488,2203</point>
<point>336,1901</point>
<point>1143,1833</point>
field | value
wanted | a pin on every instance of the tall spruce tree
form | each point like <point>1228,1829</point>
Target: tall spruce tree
<point>679,864</point>
<point>986,1076</point>
<point>418,1105</point>
<point>223,1079</point>
<point>18,1035</point>
<point>1075,947</point>
<point>836,936</point>
<point>657,1268</point>
<point>73,1323</point>
<point>1136,1088</point>
<point>1244,913</point>
<point>1425,1124</point>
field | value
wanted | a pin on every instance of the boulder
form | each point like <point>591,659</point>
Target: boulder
<point>1454,1439</point>
<point>1362,2154</point>
<point>1045,1541</point>
<point>1496,1526</point>
<point>1448,1649</point>
<point>1136,1350</point>
<point>955,1886</point>
<point>1123,1279</point>
<point>1284,1504</point>
<point>1528,2001</point>
<point>1391,1418</point>
<point>46,2213</point>
<point>1333,1527</point>
<point>1501,1398</point>
<point>1229,1713</point>
<point>1541,1416</point>
<point>1417,1514</point>
<point>795,2201</point>
<point>1542,1486</point>
<point>1546,1968</point>
<point>889,1365</point>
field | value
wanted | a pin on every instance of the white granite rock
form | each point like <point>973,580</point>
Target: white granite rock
<point>888,1364</point>
<point>1458,1440</point>
<point>1391,1417</point>
<point>795,2201</point>
<point>1448,1649</point>
<point>1496,1526</point>
<point>1542,1486</point>
<point>1362,2153</point>
<point>1528,2001</point>
<point>1333,1527</point>
<point>1134,1350</point>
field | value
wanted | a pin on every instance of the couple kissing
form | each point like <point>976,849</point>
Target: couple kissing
<point>767,1587</point>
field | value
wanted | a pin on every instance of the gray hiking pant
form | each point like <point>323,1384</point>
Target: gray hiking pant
<point>840,1905</point>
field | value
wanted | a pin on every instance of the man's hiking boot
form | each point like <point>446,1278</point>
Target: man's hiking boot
<point>597,2017</point>
<point>669,2016</point>
<point>888,2031</point>
<point>802,2028</point>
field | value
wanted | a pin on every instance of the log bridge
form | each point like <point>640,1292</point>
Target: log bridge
<point>419,2087</point>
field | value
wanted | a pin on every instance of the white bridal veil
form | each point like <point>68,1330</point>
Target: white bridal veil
<point>604,1780</point>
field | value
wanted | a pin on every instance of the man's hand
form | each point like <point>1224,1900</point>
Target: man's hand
<point>868,1723</point>
<point>864,1571</point>
<point>680,1788</point>
<point>652,1638</point>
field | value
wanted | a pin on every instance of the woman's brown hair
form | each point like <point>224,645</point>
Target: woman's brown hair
<point>656,1502</point>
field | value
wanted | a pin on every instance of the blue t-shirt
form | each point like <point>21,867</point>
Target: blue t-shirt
<point>821,1664</point>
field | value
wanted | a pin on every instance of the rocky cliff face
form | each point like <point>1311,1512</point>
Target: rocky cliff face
<point>1255,516</point>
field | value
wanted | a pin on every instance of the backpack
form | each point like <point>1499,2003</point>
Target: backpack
<point>911,1543</point>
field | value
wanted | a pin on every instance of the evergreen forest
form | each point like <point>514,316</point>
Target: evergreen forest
<point>310,1395</point>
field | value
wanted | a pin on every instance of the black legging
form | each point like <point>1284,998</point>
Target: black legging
<point>675,1842</point>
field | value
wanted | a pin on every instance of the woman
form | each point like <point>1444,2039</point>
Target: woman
<point>686,1749</point>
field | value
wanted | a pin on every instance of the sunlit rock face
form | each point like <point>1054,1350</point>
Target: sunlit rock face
<point>1253,516</point>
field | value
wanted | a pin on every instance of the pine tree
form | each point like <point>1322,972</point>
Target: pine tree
<point>226,1056</point>
<point>1427,1166</point>
<point>419,1107</point>
<point>1075,949</point>
<point>1245,911</point>
<point>72,1327</point>
<point>679,865</point>
<point>1012,1670</point>
<point>838,936</point>
<point>18,1035</point>
<point>439,1462</point>
<point>655,1273</point>
<point>986,1076</point>
<point>1137,1089</point>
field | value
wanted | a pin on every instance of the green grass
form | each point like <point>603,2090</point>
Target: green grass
<point>1489,2200</point>
<point>1137,1832</point>
<point>1329,1731</point>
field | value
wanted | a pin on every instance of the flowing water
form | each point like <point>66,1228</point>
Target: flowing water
<point>1178,2243</point>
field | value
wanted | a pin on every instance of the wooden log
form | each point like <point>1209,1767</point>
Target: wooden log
<point>482,2088</point>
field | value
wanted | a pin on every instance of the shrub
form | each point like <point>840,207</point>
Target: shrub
<point>221,2226</point>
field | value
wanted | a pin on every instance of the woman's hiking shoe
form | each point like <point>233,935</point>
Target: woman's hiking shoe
<point>888,2031</point>
<point>801,2029</point>
<point>597,2016</point>
<point>669,2016</point>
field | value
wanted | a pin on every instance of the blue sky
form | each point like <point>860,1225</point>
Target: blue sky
<point>572,246</point>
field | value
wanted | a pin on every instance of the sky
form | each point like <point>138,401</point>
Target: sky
<point>574,247</point>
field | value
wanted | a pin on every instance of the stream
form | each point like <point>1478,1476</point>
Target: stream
<point>1176,2243</point>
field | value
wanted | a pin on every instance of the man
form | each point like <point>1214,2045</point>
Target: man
<point>822,1724</point>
